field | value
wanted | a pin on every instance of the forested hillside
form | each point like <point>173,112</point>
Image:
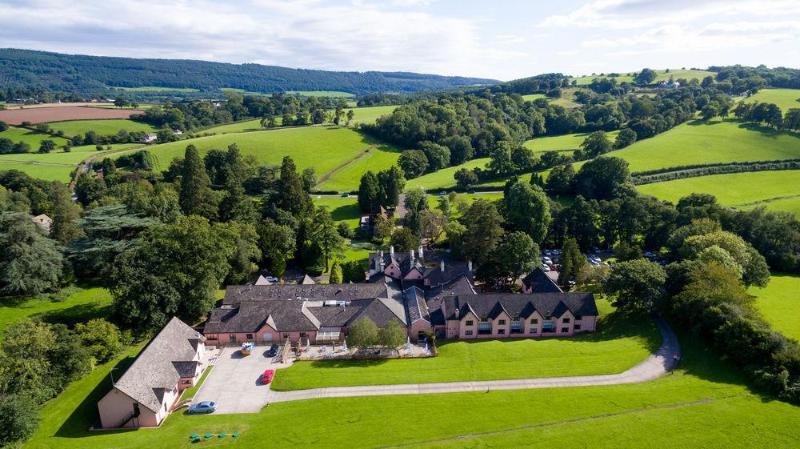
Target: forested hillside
<point>22,70</point>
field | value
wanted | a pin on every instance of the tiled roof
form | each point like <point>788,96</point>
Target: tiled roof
<point>161,364</point>
<point>539,282</point>
<point>515,305</point>
<point>238,293</point>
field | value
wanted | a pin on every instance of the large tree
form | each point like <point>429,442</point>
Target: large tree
<point>571,261</point>
<point>65,214</point>
<point>30,263</point>
<point>602,178</point>
<point>291,195</point>
<point>369,193</point>
<point>528,210</point>
<point>278,244</point>
<point>196,196</point>
<point>324,234</point>
<point>636,285</point>
<point>363,333</point>
<point>484,227</point>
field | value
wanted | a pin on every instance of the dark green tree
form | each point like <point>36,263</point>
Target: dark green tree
<point>369,193</point>
<point>528,210</point>
<point>196,197</point>
<point>484,228</point>
<point>30,263</point>
<point>571,261</point>
<point>636,285</point>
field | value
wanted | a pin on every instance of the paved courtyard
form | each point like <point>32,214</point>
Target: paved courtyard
<point>233,383</point>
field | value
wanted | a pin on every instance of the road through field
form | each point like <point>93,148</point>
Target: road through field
<point>657,365</point>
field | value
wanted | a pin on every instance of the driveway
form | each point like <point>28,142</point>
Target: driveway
<point>655,366</point>
<point>233,383</point>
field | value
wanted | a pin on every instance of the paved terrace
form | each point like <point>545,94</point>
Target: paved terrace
<point>657,365</point>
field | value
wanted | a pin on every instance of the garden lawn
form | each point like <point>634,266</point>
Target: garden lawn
<point>370,114</point>
<point>324,148</point>
<point>709,142</point>
<point>702,405</point>
<point>736,189</point>
<point>617,346</point>
<point>69,304</point>
<point>785,98</point>
<point>341,209</point>
<point>443,179</point>
<point>32,138</point>
<point>780,304</point>
<point>108,127</point>
<point>567,142</point>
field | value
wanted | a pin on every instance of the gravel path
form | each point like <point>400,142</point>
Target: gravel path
<point>657,365</point>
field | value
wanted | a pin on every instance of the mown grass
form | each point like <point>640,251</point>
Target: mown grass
<point>780,304</point>
<point>321,147</point>
<point>791,205</point>
<point>443,179</point>
<point>661,75</point>
<point>618,345</point>
<point>236,127</point>
<point>735,189</point>
<point>370,113</point>
<point>107,127</point>
<point>68,305</point>
<point>55,166</point>
<point>785,98</point>
<point>701,405</point>
<point>566,142</point>
<point>32,138</point>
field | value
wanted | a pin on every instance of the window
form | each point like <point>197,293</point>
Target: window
<point>534,330</point>
<point>468,333</point>
<point>469,323</point>
<point>232,338</point>
<point>501,331</point>
<point>577,327</point>
<point>535,321</point>
<point>565,320</point>
<point>564,330</point>
<point>249,336</point>
<point>548,327</point>
<point>501,322</point>
<point>484,327</point>
<point>516,327</point>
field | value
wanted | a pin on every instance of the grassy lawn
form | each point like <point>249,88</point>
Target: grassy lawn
<point>735,189</point>
<point>443,179</point>
<point>779,303</point>
<point>32,138</point>
<point>785,98</point>
<point>661,75</point>
<point>791,205</point>
<point>702,405</point>
<point>370,113</point>
<point>341,209</point>
<point>324,148</point>
<point>101,127</point>
<point>617,346</point>
<point>55,166</point>
<point>45,172</point>
<point>69,305</point>
<point>190,392</point>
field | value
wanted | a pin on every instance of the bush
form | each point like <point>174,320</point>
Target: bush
<point>102,339</point>
<point>344,230</point>
<point>19,417</point>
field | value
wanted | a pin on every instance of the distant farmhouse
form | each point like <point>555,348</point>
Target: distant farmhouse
<point>425,293</point>
<point>147,391</point>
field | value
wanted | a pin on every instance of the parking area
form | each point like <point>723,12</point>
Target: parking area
<point>233,383</point>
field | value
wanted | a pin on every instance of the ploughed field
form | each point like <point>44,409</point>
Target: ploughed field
<point>59,113</point>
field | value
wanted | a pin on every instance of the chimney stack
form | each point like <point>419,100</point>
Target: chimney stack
<point>441,265</point>
<point>469,266</point>
<point>391,250</point>
<point>412,256</point>
<point>421,254</point>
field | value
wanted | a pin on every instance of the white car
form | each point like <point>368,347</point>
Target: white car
<point>545,268</point>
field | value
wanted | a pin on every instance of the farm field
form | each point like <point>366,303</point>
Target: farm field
<point>443,179</point>
<point>55,166</point>
<point>69,302</point>
<point>235,127</point>
<point>154,89</point>
<point>779,304</point>
<point>101,127</point>
<point>735,189</point>
<point>370,114</point>
<point>661,75</point>
<point>324,148</point>
<point>785,98</point>
<point>791,205</point>
<point>567,142</point>
<point>617,346</point>
<point>702,404</point>
<point>321,93</point>
<point>32,138</point>
<point>59,113</point>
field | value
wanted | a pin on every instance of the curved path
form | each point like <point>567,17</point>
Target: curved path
<point>657,365</point>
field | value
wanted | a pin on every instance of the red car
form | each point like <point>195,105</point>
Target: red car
<point>267,376</point>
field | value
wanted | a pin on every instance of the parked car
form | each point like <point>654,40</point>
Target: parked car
<point>545,268</point>
<point>247,348</point>
<point>346,195</point>
<point>266,376</point>
<point>203,407</point>
<point>271,278</point>
<point>442,193</point>
<point>272,351</point>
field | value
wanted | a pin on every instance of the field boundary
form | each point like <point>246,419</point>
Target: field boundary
<point>362,154</point>
<point>695,171</point>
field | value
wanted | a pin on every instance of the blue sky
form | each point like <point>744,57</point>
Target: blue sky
<point>496,39</point>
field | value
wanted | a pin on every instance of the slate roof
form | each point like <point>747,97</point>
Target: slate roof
<point>416,308</point>
<point>429,265</point>
<point>237,293</point>
<point>515,305</point>
<point>160,365</point>
<point>539,282</point>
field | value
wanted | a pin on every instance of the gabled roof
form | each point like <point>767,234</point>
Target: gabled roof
<point>262,281</point>
<point>416,308</point>
<point>159,367</point>
<point>307,280</point>
<point>489,306</point>
<point>537,281</point>
<point>237,293</point>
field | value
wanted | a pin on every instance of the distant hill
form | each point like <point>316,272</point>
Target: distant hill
<point>81,74</point>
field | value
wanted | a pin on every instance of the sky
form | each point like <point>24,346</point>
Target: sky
<point>494,39</point>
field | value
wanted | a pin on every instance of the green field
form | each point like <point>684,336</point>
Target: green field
<point>791,205</point>
<point>566,142</point>
<point>32,138</point>
<point>566,100</point>
<point>780,304</point>
<point>155,89</point>
<point>106,127</point>
<point>661,75</point>
<point>55,166</point>
<point>618,345</point>
<point>235,127</point>
<point>443,179</point>
<point>785,98</point>
<point>69,303</point>
<point>736,189</point>
<point>703,404</point>
<point>370,114</point>
<point>335,153</point>
<point>341,209</point>
<point>706,143</point>
<point>320,93</point>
